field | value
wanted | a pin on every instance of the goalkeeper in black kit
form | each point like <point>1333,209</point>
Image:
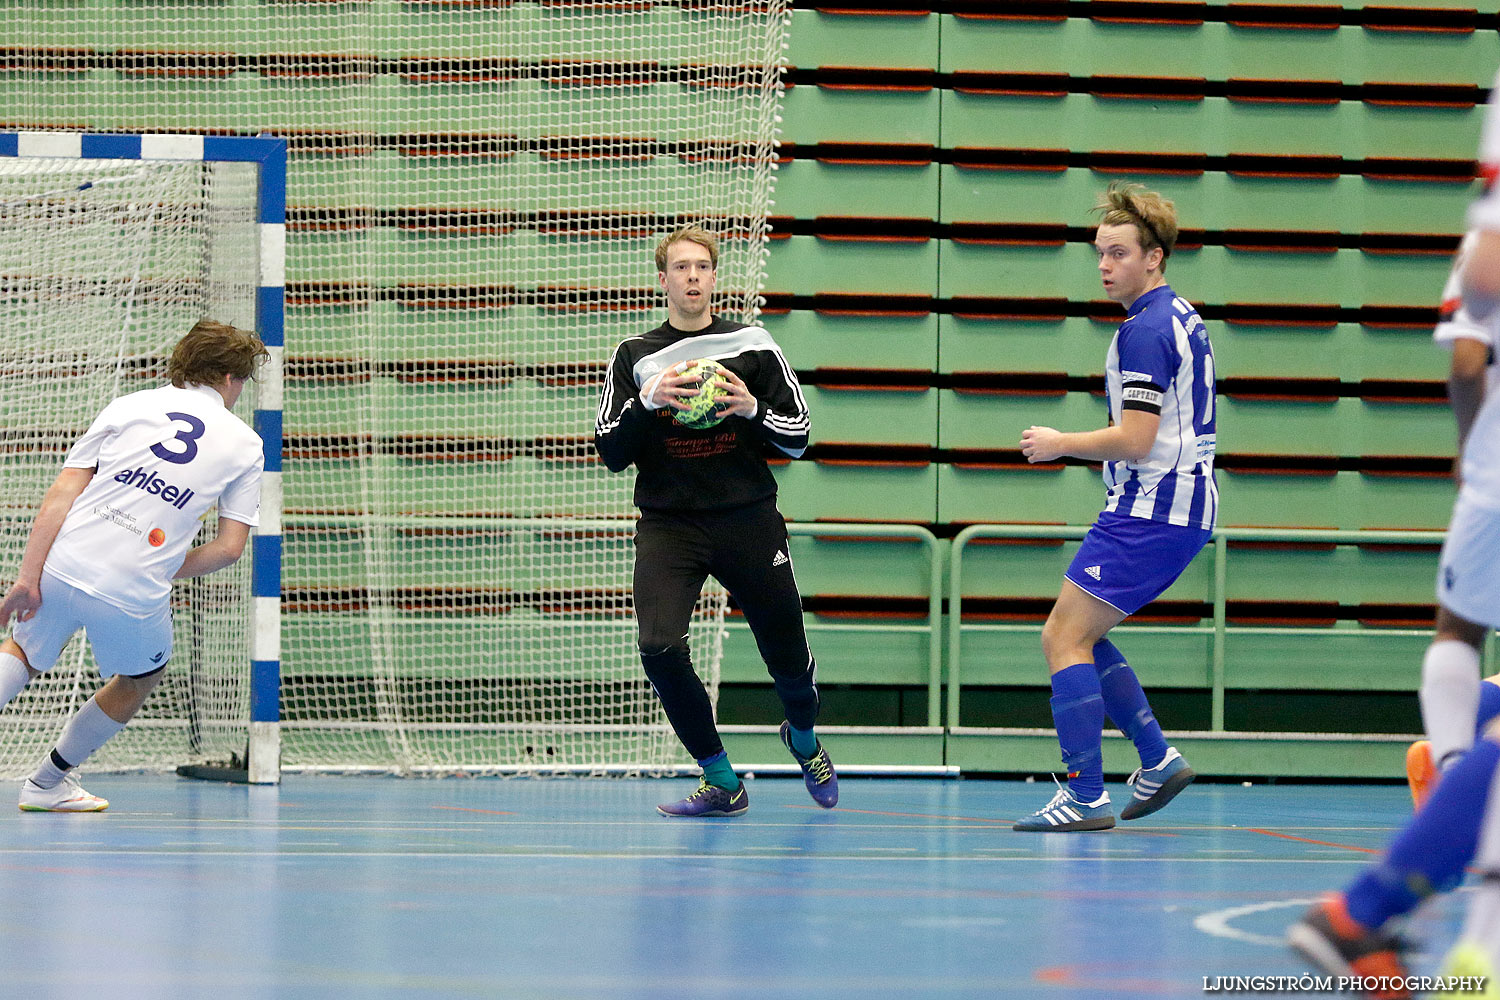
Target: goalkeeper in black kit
<point>708,507</point>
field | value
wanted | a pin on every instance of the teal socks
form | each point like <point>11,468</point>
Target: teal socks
<point>804,741</point>
<point>719,772</point>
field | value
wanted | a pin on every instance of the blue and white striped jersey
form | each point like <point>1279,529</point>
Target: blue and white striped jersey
<point>1160,361</point>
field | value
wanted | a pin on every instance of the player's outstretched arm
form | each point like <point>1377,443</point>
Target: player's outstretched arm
<point>1128,441</point>
<point>25,596</point>
<point>215,554</point>
<point>1466,383</point>
<point>1481,275</point>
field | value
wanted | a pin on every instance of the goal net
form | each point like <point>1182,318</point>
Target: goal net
<point>104,265</point>
<point>474,192</point>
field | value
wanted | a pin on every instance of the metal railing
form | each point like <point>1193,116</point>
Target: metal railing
<point>932,626</point>
<point>1217,631</point>
<point>944,658</point>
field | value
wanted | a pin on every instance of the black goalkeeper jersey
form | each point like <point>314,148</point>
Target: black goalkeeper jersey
<point>722,466</point>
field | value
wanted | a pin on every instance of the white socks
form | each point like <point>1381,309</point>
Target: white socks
<point>85,732</point>
<point>1450,699</point>
<point>13,677</point>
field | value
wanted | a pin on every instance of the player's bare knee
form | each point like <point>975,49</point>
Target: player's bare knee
<point>1057,635</point>
<point>140,685</point>
<point>1453,627</point>
<point>14,649</point>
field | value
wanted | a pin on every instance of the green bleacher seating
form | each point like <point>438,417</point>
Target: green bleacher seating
<point>863,565</point>
<point>1214,125</point>
<point>1213,200</point>
<point>1347,278</point>
<point>873,415</point>
<point>995,420</point>
<point>1216,51</point>
<point>1074,345</point>
<point>1341,574</point>
<point>1022,494</point>
<point>1344,351</point>
<point>832,38</point>
<point>806,188</point>
<point>857,491</point>
<point>807,265</point>
<point>816,340</point>
<point>1343,500</point>
<point>815,114</point>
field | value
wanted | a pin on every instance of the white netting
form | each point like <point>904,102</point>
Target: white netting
<point>475,189</point>
<point>104,265</point>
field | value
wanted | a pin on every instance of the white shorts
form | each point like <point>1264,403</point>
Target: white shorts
<point>1468,580</point>
<point>123,643</point>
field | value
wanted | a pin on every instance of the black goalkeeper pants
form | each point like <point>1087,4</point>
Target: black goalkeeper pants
<point>745,549</point>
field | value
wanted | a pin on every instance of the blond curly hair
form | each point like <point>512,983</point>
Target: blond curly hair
<point>1154,217</point>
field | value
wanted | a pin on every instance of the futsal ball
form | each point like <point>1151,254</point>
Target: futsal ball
<point>704,409</point>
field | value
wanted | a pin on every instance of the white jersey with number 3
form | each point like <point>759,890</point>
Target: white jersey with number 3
<point>163,458</point>
<point>1480,463</point>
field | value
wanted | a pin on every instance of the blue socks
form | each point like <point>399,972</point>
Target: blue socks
<point>1429,855</point>
<point>1078,712</point>
<point>1127,705</point>
<point>805,742</point>
<point>1489,705</point>
<point>719,772</point>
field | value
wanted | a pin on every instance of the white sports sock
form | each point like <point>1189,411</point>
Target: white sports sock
<point>1450,698</point>
<point>85,733</point>
<point>13,677</point>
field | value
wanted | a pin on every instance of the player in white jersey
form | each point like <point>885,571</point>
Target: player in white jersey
<point>1450,691</point>
<point>1158,454</point>
<point>1350,932</point>
<point>114,530</point>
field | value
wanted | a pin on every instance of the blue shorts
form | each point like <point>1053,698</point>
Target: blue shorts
<point>1127,561</point>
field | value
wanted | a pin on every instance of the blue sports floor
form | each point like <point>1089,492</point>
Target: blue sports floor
<point>384,887</point>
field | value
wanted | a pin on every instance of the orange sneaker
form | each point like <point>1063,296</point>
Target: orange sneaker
<point>1420,774</point>
<point>1333,941</point>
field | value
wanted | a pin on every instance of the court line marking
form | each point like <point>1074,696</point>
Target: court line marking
<point>743,855</point>
<point>471,809</point>
<point>1104,982</point>
<point>140,821</point>
<point>1308,840</point>
<point>1138,831</point>
<point>1216,924</point>
<point>899,815</point>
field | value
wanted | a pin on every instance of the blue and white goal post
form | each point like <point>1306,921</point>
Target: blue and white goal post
<point>255,216</point>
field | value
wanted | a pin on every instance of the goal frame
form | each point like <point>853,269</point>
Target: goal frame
<point>268,155</point>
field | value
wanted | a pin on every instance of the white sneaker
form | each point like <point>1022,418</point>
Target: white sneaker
<point>66,796</point>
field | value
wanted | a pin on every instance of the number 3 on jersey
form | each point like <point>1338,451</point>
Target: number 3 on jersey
<point>189,439</point>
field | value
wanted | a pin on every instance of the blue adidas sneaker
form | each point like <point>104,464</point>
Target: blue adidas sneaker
<point>709,800</point>
<point>1156,786</point>
<point>1065,814</point>
<point>817,771</point>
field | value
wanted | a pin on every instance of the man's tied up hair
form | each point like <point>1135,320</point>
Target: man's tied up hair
<point>1154,217</point>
